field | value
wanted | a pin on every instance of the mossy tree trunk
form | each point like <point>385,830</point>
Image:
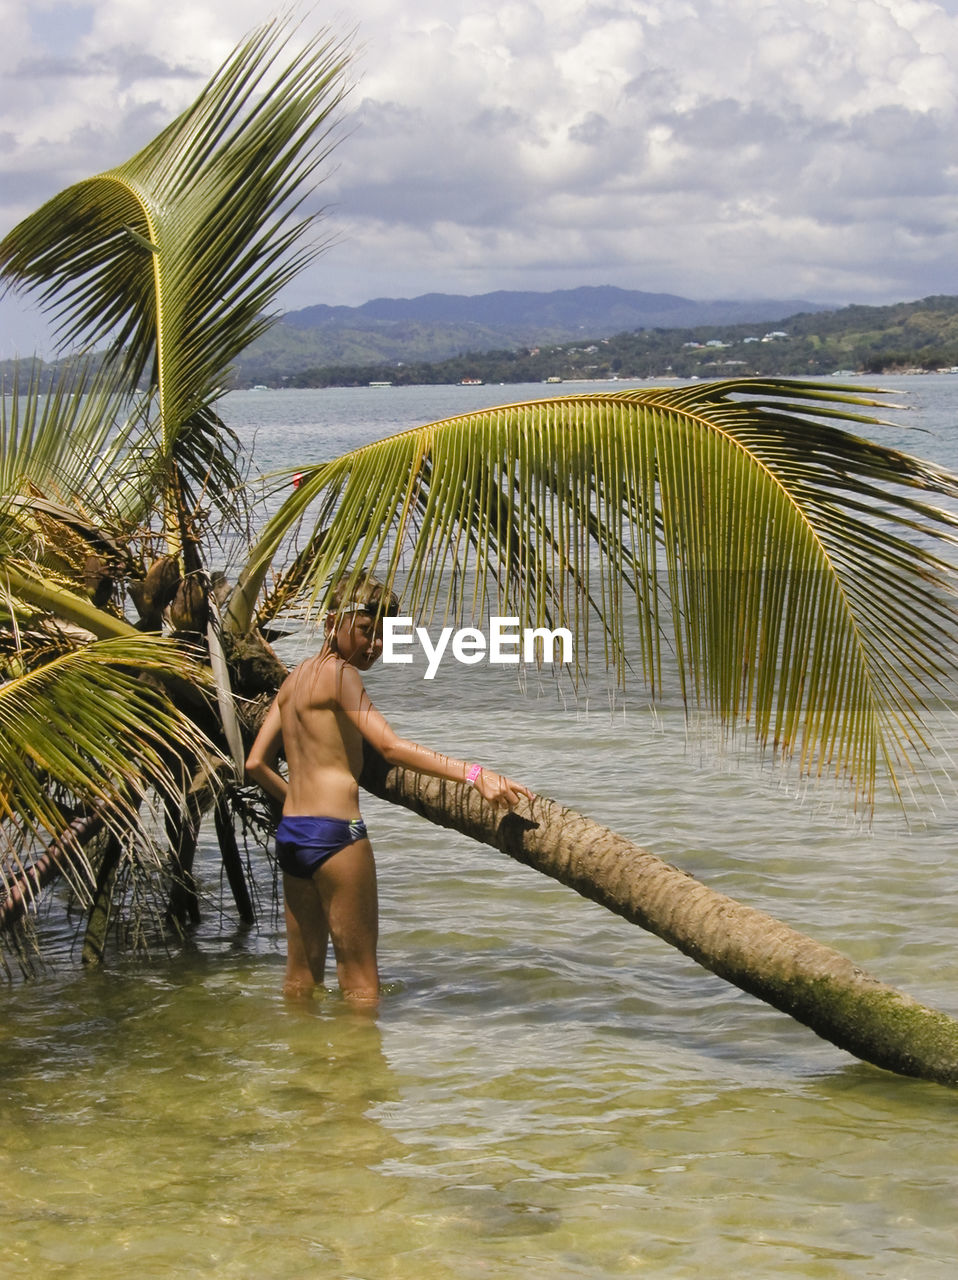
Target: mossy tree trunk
<point>813,983</point>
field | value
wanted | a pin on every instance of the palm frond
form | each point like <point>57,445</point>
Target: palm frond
<point>27,586</point>
<point>77,442</point>
<point>175,257</point>
<point>90,730</point>
<point>798,573</point>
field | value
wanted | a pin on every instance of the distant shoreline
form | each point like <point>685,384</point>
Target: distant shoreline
<point>902,340</point>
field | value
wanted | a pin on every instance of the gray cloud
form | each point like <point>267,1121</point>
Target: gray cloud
<point>123,64</point>
<point>591,131</point>
<point>712,148</point>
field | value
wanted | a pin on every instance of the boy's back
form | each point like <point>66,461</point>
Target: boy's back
<point>323,747</point>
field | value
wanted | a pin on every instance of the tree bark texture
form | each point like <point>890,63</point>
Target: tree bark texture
<point>811,982</point>
<point>62,854</point>
<point>99,914</point>
<point>232,860</point>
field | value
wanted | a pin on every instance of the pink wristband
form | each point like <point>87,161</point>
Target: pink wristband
<point>473,774</point>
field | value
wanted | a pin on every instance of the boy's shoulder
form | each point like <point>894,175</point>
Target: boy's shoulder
<point>323,679</point>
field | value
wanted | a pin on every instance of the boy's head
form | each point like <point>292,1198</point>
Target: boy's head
<point>354,628</point>
<point>366,594</point>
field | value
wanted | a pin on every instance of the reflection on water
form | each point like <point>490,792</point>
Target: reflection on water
<point>546,1091</point>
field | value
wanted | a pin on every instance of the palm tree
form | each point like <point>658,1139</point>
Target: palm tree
<point>172,260</point>
<point>794,573</point>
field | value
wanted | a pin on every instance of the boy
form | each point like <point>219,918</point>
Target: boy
<point>319,719</point>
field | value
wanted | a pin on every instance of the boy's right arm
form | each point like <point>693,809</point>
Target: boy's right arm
<point>380,734</point>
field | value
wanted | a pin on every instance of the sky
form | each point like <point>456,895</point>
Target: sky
<point>708,148</point>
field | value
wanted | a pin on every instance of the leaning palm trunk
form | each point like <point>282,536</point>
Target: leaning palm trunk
<point>815,984</point>
<point>63,855</point>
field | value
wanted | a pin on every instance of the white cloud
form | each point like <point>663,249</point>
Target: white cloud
<point>716,148</point>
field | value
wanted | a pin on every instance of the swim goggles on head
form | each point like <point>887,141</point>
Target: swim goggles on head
<point>370,608</point>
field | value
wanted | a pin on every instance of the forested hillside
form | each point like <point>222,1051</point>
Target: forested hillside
<point>438,326</point>
<point>920,335</point>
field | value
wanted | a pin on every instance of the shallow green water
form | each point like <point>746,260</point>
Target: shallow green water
<point>547,1091</point>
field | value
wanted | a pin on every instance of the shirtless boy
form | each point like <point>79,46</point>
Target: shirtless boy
<point>318,720</point>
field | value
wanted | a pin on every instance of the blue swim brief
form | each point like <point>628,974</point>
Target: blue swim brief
<point>304,843</point>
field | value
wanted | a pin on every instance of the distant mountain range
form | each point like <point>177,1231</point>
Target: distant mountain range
<point>524,337</point>
<point>590,310</point>
<point>436,326</point>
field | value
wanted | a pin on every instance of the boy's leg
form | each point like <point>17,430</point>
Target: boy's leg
<point>307,936</point>
<point>347,886</point>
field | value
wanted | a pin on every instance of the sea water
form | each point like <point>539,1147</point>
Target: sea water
<point>547,1091</point>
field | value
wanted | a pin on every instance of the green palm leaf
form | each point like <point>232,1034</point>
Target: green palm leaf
<point>77,477</point>
<point>794,571</point>
<point>175,257</point>
<point>79,443</point>
<point>87,731</point>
